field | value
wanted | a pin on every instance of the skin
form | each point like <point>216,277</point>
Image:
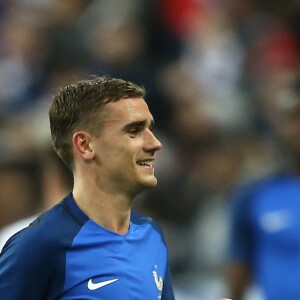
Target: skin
<point>238,276</point>
<point>108,172</point>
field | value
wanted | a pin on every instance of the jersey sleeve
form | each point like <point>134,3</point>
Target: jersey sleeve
<point>241,235</point>
<point>24,271</point>
<point>33,261</point>
<point>167,293</point>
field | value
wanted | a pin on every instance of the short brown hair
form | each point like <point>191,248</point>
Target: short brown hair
<point>74,108</point>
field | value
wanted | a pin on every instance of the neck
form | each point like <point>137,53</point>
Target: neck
<point>108,209</point>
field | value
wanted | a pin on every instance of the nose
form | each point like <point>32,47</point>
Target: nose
<point>152,143</point>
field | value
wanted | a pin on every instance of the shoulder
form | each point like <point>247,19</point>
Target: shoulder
<point>244,197</point>
<point>143,220</point>
<point>13,228</point>
<point>51,231</point>
<point>39,250</point>
<point>140,219</point>
<point>149,229</point>
<point>249,189</point>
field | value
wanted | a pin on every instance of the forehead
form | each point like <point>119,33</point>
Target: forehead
<point>128,109</point>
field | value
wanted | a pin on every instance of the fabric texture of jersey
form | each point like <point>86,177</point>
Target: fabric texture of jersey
<point>266,234</point>
<point>65,255</point>
<point>11,229</point>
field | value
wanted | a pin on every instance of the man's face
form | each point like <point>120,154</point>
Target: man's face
<point>125,149</point>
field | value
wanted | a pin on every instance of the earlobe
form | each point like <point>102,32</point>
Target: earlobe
<point>82,145</point>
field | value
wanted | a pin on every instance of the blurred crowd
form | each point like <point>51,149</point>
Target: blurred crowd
<point>213,70</point>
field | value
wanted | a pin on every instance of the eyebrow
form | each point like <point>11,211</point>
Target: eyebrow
<point>137,124</point>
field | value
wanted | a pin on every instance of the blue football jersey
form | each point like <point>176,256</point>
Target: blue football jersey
<point>266,234</point>
<point>65,255</point>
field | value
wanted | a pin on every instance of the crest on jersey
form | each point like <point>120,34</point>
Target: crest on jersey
<point>158,280</point>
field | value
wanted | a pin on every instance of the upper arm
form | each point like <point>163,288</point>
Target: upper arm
<point>24,270</point>
<point>167,293</point>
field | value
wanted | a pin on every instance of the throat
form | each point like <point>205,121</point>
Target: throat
<point>109,210</point>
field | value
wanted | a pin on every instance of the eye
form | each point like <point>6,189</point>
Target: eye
<point>133,132</point>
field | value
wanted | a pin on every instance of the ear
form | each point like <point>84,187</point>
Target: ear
<point>82,145</point>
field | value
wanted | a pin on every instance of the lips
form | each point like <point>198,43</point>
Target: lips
<point>147,163</point>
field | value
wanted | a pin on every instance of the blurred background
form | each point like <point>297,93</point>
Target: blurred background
<point>211,68</point>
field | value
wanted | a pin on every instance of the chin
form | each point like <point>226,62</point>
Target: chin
<point>149,183</point>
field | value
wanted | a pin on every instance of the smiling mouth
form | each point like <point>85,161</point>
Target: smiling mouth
<point>145,163</point>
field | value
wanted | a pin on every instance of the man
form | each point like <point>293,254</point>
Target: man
<point>265,241</point>
<point>91,245</point>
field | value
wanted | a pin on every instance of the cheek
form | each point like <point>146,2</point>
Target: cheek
<point>123,150</point>
<point>120,155</point>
